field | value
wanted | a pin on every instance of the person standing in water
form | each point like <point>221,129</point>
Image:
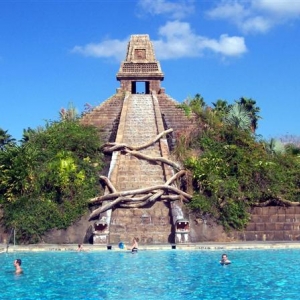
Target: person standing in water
<point>135,245</point>
<point>80,248</point>
<point>17,264</point>
<point>224,260</point>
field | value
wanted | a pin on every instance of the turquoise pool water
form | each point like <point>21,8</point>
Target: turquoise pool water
<point>147,275</point>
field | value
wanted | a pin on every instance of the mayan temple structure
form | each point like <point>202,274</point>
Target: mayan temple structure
<point>144,185</point>
<point>142,196</point>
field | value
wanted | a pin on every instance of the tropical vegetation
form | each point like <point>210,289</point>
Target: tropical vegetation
<point>47,179</point>
<point>232,169</point>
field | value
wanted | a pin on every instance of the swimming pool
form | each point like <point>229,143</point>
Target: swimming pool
<point>159,275</point>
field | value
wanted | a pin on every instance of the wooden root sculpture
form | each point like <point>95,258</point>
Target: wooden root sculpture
<point>278,201</point>
<point>139,197</point>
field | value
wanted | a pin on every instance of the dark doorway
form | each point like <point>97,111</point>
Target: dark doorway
<point>140,87</point>
<point>133,87</point>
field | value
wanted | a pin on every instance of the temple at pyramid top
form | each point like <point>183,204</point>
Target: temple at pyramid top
<point>140,66</point>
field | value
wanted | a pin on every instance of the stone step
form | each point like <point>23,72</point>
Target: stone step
<point>137,127</point>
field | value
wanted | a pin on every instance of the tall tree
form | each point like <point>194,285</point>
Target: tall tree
<point>238,117</point>
<point>221,107</point>
<point>194,105</point>
<point>253,110</point>
<point>27,134</point>
<point>197,104</point>
<point>5,139</point>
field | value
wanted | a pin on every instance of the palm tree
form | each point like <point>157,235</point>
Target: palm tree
<point>198,100</point>
<point>275,146</point>
<point>238,117</point>
<point>221,107</point>
<point>194,105</point>
<point>27,134</point>
<point>5,139</point>
<point>253,110</point>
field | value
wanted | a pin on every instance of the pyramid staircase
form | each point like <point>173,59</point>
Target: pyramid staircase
<point>130,119</point>
<point>140,122</point>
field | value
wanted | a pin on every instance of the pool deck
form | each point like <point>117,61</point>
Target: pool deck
<point>211,246</point>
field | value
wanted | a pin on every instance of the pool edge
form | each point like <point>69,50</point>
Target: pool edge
<point>210,246</point>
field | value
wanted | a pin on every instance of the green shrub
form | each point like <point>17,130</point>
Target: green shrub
<point>46,181</point>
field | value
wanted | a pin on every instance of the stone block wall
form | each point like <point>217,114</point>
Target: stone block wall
<point>174,117</point>
<point>150,225</point>
<point>272,223</point>
<point>106,117</point>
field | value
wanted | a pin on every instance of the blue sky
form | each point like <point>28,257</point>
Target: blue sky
<point>53,53</point>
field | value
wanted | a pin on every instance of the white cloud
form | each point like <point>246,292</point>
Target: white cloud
<point>256,16</point>
<point>178,40</point>
<point>228,10</point>
<point>175,10</point>
<point>286,8</point>
<point>256,24</point>
<point>226,45</point>
<point>108,48</point>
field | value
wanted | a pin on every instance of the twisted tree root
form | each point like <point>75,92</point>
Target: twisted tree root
<point>116,194</point>
<point>110,147</point>
<point>277,200</point>
<point>138,205</point>
<point>151,194</point>
<point>108,183</point>
<point>153,159</point>
<point>111,204</point>
<point>111,196</point>
<point>170,181</point>
<point>126,196</point>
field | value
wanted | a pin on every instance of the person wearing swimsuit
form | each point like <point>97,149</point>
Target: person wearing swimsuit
<point>135,245</point>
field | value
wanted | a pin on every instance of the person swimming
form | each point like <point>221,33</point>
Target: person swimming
<point>17,264</point>
<point>224,260</point>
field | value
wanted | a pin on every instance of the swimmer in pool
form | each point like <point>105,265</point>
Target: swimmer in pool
<point>224,260</point>
<point>80,248</point>
<point>135,245</point>
<point>17,264</point>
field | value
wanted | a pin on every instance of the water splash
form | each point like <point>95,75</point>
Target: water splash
<point>176,212</point>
